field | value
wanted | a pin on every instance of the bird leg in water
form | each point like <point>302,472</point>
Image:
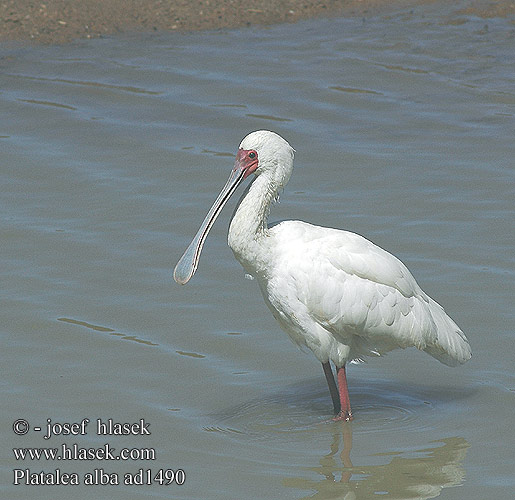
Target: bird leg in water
<point>333,389</point>
<point>345,412</point>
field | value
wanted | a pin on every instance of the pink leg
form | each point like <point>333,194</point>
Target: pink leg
<point>345,412</point>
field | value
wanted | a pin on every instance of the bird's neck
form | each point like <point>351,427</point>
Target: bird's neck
<point>248,230</point>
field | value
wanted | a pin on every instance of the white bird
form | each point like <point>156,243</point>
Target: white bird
<point>332,291</point>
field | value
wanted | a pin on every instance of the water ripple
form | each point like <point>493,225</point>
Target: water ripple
<point>378,406</point>
<point>124,88</point>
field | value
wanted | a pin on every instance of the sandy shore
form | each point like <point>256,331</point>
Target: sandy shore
<point>60,21</point>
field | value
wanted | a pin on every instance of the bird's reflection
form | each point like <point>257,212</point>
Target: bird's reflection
<point>340,447</point>
<point>420,477</point>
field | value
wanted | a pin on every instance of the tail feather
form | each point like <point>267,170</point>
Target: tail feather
<point>451,346</point>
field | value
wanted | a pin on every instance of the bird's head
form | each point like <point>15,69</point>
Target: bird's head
<point>264,151</point>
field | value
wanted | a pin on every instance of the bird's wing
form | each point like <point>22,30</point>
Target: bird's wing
<point>357,291</point>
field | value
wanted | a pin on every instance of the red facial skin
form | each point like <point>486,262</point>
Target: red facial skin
<point>247,160</point>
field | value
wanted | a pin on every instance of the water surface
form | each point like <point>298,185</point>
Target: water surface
<point>111,153</point>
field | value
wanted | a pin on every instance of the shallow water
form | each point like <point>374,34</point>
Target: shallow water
<point>111,153</point>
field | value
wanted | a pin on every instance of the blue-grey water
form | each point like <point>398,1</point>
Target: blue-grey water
<point>111,152</point>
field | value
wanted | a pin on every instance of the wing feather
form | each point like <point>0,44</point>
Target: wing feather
<point>363,296</point>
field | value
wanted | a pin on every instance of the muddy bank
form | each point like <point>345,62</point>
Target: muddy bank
<point>60,21</point>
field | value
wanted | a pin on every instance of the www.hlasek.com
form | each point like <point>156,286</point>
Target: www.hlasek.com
<point>75,452</point>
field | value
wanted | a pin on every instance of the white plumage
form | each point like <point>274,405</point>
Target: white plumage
<point>332,291</point>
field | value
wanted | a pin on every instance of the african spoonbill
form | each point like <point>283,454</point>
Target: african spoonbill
<point>332,291</point>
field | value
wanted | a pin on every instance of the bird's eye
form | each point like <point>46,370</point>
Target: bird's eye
<point>252,155</point>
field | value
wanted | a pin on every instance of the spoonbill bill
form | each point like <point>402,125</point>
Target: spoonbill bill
<point>332,291</point>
